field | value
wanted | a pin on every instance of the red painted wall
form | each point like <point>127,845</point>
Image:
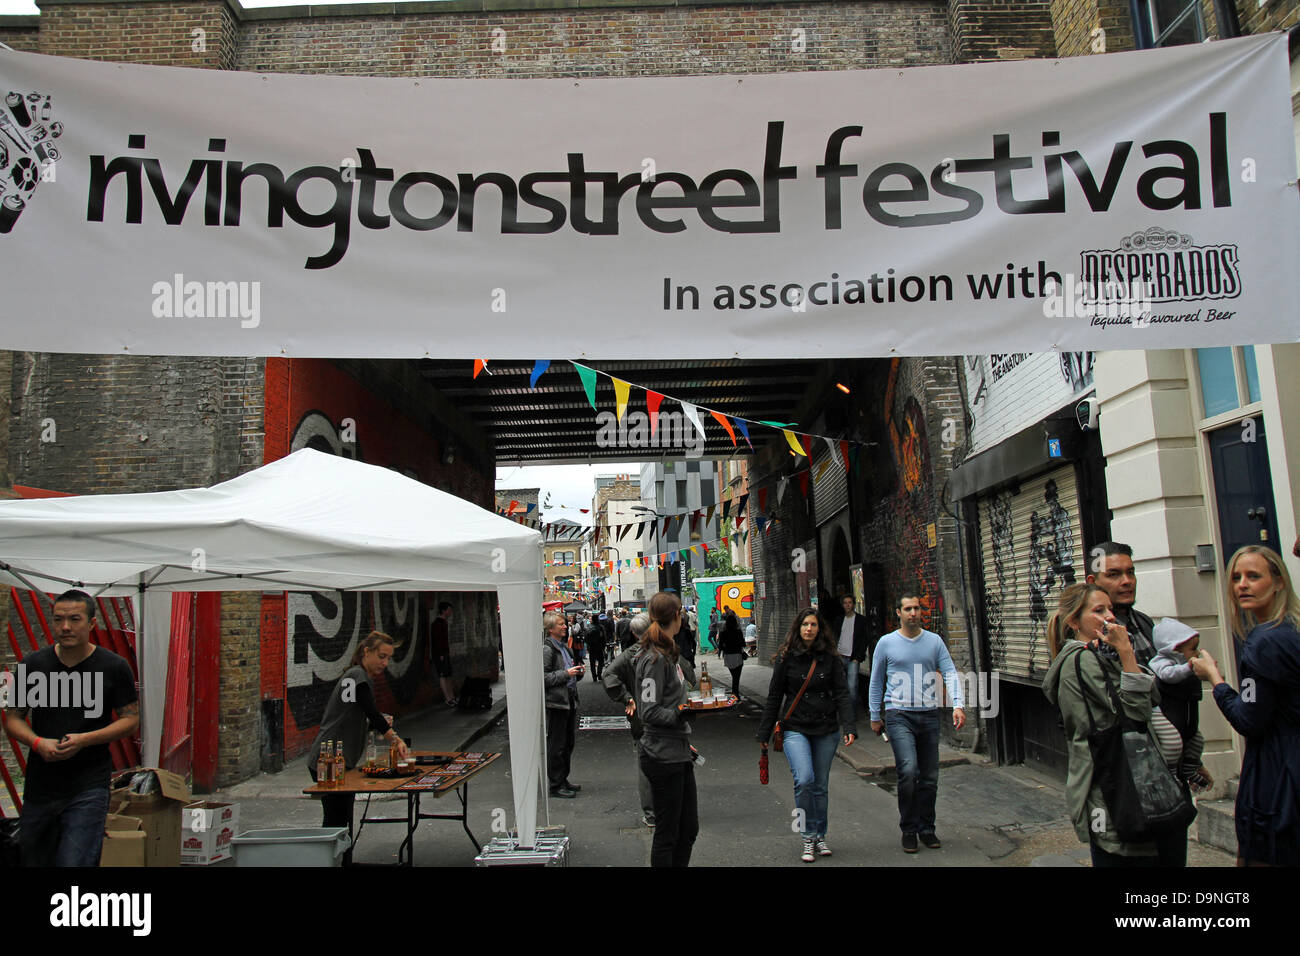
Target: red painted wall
<point>306,641</point>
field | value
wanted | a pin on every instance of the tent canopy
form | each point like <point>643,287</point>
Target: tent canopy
<point>308,522</point>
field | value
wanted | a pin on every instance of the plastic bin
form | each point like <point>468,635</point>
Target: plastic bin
<point>291,846</point>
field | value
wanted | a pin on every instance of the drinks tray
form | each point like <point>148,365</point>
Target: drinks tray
<point>390,774</point>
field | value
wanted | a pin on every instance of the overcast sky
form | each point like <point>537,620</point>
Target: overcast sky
<point>570,485</point>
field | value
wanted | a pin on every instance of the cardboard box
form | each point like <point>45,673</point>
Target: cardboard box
<point>124,842</point>
<point>160,816</point>
<point>206,831</point>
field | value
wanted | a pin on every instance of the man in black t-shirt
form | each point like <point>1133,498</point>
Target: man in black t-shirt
<point>69,690</point>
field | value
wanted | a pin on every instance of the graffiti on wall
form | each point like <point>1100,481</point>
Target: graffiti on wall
<point>1002,546</point>
<point>1030,555</point>
<point>1076,369</point>
<point>895,537</point>
<point>326,627</point>
<point>1051,556</point>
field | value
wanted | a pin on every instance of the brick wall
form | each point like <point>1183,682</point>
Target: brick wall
<point>130,423</point>
<point>21,33</point>
<point>1074,21</point>
<point>199,34</point>
<point>653,38</point>
<point>1273,15</point>
<point>990,30</point>
<point>240,719</point>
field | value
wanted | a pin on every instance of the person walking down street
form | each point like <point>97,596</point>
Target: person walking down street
<point>560,675</point>
<point>1266,620</point>
<point>685,639</point>
<point>350,714</point>
<point>623,631</point>
<point>1091,656</point>
<point>440,646</point>
<point>904,701</point>
<point>731,644</point>
<point>577,640</point>
<point>851,633</point>
<point>667,757</point>
<point>70,765</point>
<point>809,695</point>
<point>596,646</point>
<point>620,685</point>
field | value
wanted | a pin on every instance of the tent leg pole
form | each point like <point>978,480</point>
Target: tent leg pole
<point>542,779</point>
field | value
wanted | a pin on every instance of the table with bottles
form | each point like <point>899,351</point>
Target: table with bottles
<point>436,780</point>
<point>706,697</point>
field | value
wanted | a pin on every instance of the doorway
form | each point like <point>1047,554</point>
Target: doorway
<point>1243,486</point>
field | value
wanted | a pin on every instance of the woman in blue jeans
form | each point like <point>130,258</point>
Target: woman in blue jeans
<point>811,721</point>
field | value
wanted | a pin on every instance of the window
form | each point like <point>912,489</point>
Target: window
<point>707,494</point>
<point>681,494</point>
<point>1228,377</point>
<point>1168,23</point>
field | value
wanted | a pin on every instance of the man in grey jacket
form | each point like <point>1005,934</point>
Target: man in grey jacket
<point>620,683</point>
<point>560,676</point>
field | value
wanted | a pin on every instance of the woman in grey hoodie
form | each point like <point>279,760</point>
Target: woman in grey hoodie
<point>666,753</point>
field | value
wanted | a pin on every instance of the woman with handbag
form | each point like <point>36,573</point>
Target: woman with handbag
<point>1124,802</point>
<point>667,757</point>
<point>1267,711</point>
<point>809,674</point>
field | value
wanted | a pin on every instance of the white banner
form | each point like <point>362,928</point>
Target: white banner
<point>1130,200</point>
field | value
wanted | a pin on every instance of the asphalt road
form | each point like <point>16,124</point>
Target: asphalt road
<point>983,811</point>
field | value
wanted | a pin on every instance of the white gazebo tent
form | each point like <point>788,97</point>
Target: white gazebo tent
<point>308,522</point>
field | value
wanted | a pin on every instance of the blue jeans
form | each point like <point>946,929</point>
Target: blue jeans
<point>851,674</point>
<point>914,735</point>
<point>66,832</point>
<point>810,765</point>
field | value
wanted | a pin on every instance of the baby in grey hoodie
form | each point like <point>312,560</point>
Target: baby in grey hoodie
<point>1180,694</point>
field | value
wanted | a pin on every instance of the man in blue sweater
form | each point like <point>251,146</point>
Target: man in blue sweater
<point>904,684</point>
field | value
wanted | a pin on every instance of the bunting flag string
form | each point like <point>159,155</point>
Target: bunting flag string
<point>540,366</point>
<point>620,397</point>
<point>588,376</point>
<point>652,401</point>
<point>722,420</point>
<point>692,411</point>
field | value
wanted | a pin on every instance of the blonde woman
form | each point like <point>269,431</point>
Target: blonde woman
<point>349,715</point>
<point>1266,614</point>
<point>1085,624</point>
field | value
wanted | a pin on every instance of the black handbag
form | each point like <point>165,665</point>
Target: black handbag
<point>1141,795</point>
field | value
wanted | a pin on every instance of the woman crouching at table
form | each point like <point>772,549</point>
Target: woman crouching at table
<point>349,716</point>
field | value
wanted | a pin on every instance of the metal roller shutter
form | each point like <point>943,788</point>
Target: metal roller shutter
<point>1032,548</point>
<point>831,491</point>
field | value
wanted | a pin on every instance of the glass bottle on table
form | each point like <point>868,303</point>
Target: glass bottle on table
<point>372,752</point>
<point>323,765</point>
<point>340,768</point>
<point>706,682</point>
